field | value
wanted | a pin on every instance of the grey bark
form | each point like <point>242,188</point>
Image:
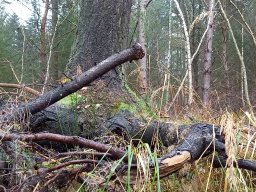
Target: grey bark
<point>102,31</point>
<point>143,75</point>
<point>208,55</point>
<point>195,39</point>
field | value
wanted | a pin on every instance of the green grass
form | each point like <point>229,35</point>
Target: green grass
<point>71,100</point>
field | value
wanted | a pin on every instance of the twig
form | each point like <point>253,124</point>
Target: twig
<point>83,153</point>
<point>65,175</point>
<point>20,86</point>
<point>75,140</point>
<point>73,162</point>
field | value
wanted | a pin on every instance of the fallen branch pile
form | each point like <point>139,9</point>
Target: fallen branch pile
<point>192,142</point>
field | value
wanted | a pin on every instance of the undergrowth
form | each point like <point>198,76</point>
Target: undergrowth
<point>239,130</point>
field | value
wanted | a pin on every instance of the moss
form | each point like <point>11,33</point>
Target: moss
<point>71,100</point>
<point>138,110</point>
<point>124,106</point>
<point>141,107</point>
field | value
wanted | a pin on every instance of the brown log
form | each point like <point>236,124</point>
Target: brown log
<point>75,140</point>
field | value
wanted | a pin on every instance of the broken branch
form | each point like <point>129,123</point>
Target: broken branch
<point>49,98</point>
<point>75,140</point>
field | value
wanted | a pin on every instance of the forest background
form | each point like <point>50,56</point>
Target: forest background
<point>27,45</point>
<point>199,63</point>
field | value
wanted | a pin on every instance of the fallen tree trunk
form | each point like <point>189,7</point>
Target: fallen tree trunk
<point>191,143</point>
<point>201,140</point>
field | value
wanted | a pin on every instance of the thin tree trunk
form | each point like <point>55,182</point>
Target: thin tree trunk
<point>43,55</point>
<point>54,63</point>
<point>169,57</point>
<point>241,58</point>
<point>188,55</point>
<point>208,55</point>
<point>195,39</point>
<point>224,29</point>
<point>143,76</point>
<point>242,69</point>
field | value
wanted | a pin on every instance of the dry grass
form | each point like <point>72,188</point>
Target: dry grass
<point>239,129</point>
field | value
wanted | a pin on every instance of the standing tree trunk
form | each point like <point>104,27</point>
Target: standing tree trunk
<point>241,58</point>
<point>224,29</point>
<point>195,39</point>
<point>167,75</point>
<point>208,55</point>
<point>54,63</point>
<point>188,58</point>
<point>102,31</point>
<point>143,80</point>
<point>43,55</point>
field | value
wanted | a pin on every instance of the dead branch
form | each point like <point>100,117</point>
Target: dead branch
<point>220,162</point>
<point>76,83</point>
<point>80,161</point>
<point>75,140</point>
<point>201,140</point>
<point>20,86</point>
<point>83,153</point>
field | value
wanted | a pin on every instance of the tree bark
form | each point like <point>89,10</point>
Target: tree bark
<point>208,55</point>
<point>143,75</point>
<point>195,39</point>
<point>54,59</point>
<point>224,29</point>
<point>102,31</point>
<point>43,54</point>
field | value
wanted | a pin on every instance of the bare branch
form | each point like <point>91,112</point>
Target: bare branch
<point>49,98</point>
<point>75,140</point>
<point>20,86</point>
